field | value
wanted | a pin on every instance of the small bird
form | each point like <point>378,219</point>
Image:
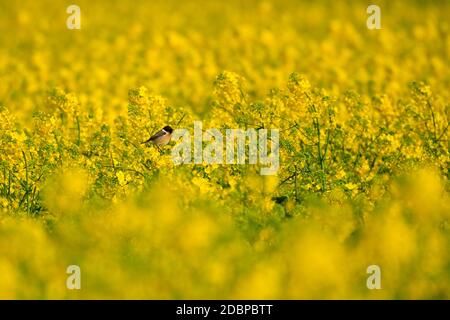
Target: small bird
<point>162,137</point>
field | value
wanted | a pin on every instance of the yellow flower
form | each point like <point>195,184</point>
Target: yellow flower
<point>341,174</point>
<point>351,186</point>
<point>121,178</point>
<point>202,185</point>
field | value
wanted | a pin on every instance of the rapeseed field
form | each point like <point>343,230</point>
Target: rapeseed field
<point>363,176</point>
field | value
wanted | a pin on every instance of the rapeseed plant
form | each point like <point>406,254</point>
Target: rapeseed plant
<point>363,117</point>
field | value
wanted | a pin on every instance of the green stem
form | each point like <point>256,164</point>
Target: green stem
<point>319,150</point>
<point>433,120</point>
<point>27,185</point>
<point>78,132</point>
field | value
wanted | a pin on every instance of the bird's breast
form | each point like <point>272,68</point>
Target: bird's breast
<point>163,140</point>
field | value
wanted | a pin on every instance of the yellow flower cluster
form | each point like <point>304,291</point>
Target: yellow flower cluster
<point>363,117</point>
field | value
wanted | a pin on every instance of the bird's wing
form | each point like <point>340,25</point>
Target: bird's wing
<point>155,136</point>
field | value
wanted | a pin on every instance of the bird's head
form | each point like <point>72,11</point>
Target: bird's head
<point>168,129</point>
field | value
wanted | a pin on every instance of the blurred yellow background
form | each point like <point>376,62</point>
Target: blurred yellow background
<point>364,146</point>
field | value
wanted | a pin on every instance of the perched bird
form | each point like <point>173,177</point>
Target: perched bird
<point>162,137</point>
